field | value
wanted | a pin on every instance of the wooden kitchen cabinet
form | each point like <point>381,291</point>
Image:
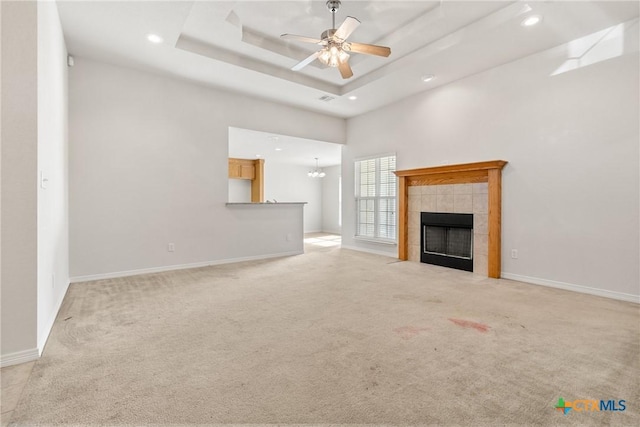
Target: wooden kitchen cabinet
<point>252,170</point>
<point>242,169</point>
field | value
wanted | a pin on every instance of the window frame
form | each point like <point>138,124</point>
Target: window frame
<point>392,200</point>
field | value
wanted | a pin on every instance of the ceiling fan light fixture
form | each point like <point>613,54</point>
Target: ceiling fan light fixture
<point>333,56</point>
<point>324,56</point>
<point>334,45</point>
<point>343,56</point>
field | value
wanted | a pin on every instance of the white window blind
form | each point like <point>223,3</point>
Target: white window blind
<point>376,198</point>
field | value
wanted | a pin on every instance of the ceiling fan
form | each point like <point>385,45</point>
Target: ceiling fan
<point>335,48</point>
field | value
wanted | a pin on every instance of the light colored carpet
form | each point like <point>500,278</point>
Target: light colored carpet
<point>332,337</point>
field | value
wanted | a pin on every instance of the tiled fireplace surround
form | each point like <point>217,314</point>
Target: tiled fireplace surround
<point>452,198</point>
<point>474,188</point>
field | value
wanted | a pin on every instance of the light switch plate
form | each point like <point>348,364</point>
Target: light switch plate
<point>44,181</point>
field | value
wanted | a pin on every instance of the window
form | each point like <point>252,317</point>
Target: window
<point>376,198</point>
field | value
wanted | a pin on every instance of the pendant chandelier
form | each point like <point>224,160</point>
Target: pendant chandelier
<point>316,173</point>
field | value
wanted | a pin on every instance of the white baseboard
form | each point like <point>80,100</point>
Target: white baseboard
<point>338,232</point>
<point>371,251</point>
<point>91,277</point>
<point>19,357</point>
<point>571,287</point>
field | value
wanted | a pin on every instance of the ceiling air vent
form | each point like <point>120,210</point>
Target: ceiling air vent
<point>326,98</point>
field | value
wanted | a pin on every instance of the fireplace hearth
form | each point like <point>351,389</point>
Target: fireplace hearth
<point>447,239</point>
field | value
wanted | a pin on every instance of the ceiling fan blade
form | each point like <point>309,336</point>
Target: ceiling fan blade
<point>347,27</point>
<point>369,49</point>
<point>300,65</point>
<point>345,70</point>
<point>300,38</point>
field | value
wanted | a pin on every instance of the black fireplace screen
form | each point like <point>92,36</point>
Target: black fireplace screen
<point>447,240</point>
<point>456,242</point>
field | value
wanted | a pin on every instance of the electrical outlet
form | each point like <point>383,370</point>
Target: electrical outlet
<point>171,247</point>
<point>289,237</point>
<point>514,253</point>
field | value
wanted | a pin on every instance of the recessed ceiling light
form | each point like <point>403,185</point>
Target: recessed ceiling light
<point>428,78</point>
<point>353,97</point>
<point>258,155</point>
<point>278,149</point>
<point>154,38</point>
<point>531,21</point>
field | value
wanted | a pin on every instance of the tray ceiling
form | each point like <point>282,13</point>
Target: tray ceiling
<point>236,45</point>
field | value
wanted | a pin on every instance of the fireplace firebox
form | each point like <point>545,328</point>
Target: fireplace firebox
<point>447,239</point>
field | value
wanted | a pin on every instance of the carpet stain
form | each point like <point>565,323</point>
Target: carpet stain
<point>408,332</point>
<point>480,327</point>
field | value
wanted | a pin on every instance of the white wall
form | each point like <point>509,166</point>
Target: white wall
<point>239,190</point>
<point>571,188</point>
<point>34,141</point>
<point>148,166</point>
<point>19,181</point>
<point>331,200</point>
<point>53,215</point>
<point>290,183</point>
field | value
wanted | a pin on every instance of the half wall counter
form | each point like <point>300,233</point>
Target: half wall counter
<point>269,229</point>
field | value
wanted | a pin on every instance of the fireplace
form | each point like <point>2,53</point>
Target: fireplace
<point>446,239</point>
<point>415,194</point>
